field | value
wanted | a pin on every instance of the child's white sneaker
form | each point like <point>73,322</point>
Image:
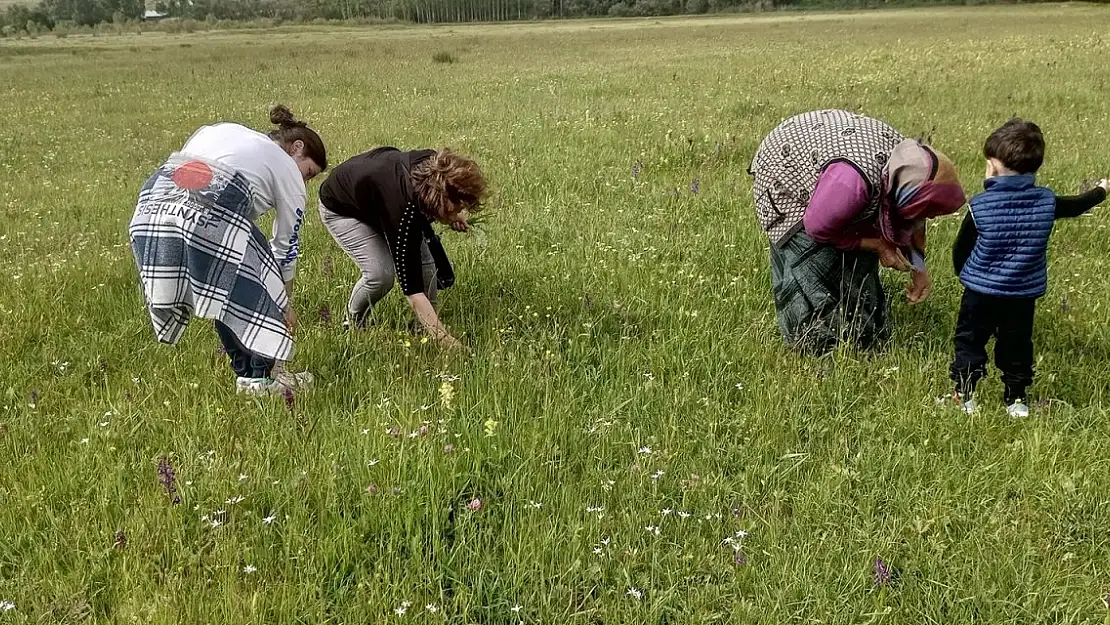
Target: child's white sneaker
<point>1018,410</point>
<point>965,403</point>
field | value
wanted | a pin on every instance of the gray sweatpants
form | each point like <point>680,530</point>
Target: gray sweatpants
<point>368,248</point>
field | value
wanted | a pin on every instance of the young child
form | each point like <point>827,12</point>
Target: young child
<point>1001,257</point>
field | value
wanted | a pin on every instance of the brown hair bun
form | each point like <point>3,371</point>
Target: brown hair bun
<point>281,116</point>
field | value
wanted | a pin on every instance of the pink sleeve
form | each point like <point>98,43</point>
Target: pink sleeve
<point>838,200</point>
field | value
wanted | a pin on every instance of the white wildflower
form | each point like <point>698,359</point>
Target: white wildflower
<point>636,593</point>
<point>248,569</point>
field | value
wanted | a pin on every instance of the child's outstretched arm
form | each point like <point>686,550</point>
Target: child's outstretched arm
<point>965,243</point>
<point>1076,205</point>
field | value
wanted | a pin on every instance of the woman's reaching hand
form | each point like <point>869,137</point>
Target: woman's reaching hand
<point>889,255</point>
<point>920,287</point>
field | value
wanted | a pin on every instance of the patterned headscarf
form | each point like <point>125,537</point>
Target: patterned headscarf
<point>921,183</point>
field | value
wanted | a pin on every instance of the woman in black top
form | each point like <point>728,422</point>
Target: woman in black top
<point>379,206</point>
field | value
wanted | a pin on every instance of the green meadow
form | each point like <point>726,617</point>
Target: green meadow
<point>626,439</point>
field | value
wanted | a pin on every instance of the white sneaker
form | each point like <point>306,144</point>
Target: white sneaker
<point>259,386</point>
<point>281,382</point>
<point>295,381</point>
<point>965,403</point>
<point>1018,410</point>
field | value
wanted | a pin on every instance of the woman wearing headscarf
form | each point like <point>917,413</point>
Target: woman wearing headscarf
<point>199,252</point>
<point>840,194</point>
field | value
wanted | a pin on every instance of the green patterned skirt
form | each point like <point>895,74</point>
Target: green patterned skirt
<point>824,295</point>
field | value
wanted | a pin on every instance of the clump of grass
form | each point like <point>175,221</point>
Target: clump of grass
<point>444,57</point>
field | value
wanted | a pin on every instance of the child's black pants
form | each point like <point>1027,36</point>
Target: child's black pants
<point>1010,321</point>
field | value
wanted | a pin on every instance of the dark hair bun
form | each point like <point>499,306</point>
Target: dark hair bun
<point>280,115</point>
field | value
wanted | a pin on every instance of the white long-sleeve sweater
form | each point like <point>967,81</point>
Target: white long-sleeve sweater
<point>275,181</point>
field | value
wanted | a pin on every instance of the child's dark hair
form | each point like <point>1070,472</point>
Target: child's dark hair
<point>290,129</point>
<point>1018,145</point>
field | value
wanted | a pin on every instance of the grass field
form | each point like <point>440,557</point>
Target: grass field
<point>627,440</point>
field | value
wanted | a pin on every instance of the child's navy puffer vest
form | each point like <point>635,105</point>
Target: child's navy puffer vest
<point>1014,218</point>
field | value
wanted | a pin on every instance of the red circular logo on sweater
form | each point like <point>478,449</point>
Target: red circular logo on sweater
<point>192,175</point>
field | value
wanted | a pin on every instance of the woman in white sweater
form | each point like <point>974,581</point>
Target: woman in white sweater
<point>199,252</point>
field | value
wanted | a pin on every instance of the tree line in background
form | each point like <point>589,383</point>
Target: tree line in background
<point>64,16</point>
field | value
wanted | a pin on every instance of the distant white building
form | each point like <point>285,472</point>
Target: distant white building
<point>151,14</point>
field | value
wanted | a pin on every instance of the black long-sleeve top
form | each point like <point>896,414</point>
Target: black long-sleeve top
<point>1066,207</point>
<point>376,188</point>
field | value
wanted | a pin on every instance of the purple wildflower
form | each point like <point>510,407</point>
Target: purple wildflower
<point>882,575</point>
<point>168,477</point>
<point>287,395</point>
<point>394,432</point>
<point>695,186</point>
<point>121,540</point>
<point>739,559</point>
<point>448,448</point>
<point>474,505</point>
<point>372,489</point>
<point>325,314</point>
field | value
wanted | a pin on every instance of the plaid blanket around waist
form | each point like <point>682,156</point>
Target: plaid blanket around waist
<point>198,253</point>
